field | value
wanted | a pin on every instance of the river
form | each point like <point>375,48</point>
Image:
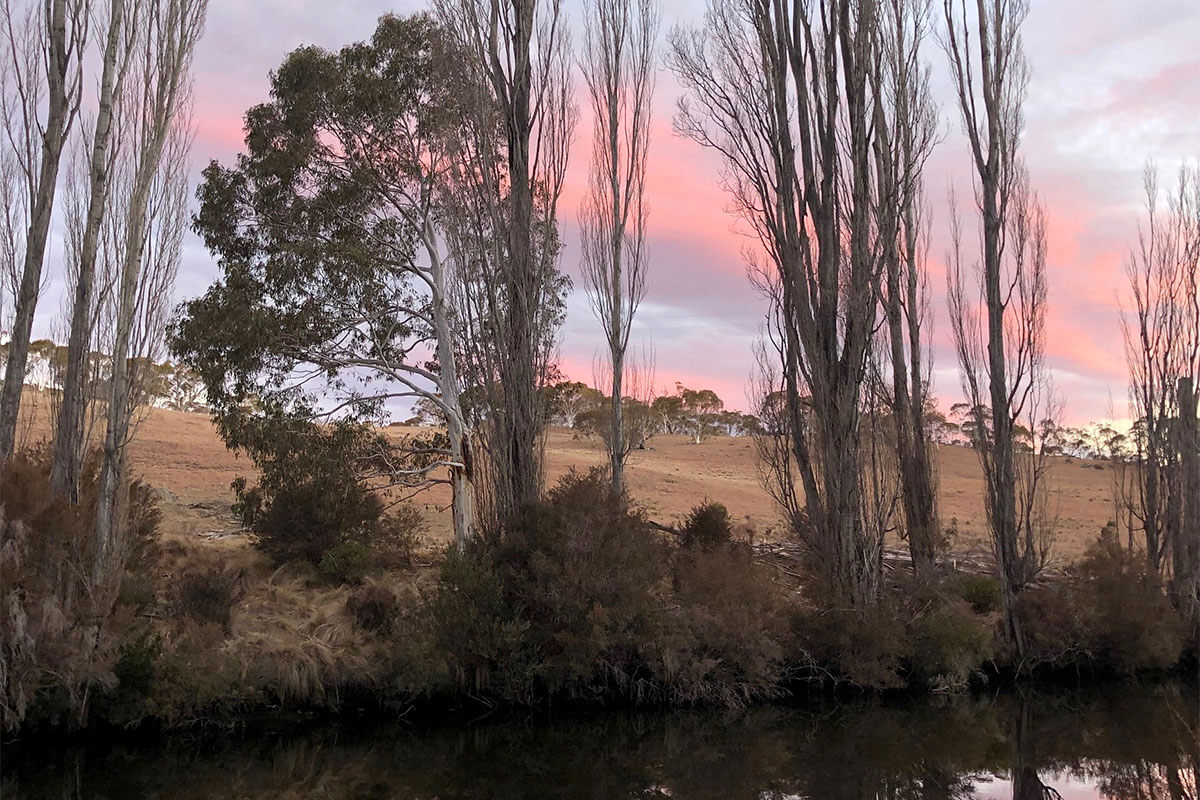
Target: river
<point>1128,741</point>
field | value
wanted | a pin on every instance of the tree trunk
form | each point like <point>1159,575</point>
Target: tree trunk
<point>69,431</point>
<point>1186,579</point>
<point>461,482</point>
<point>58,117</point>
<point>109,509</point>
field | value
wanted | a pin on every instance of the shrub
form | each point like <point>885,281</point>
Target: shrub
<point>309,498</point>
<point>864,647</point>
<point>136,673</point>
<point>373,607</point>
<point>1108,615</point>
<point>60,638</point>
<point>947,644</point>
<point>981,592</point>
<point>207,597</point>
<point>726,635</point>
<point>560,602</point>
<point>397,536</point>
<point>707,526</point>
<point>481,636</point>
<point>348,562</point>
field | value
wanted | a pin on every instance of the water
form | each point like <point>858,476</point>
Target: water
<point>1126,742</point>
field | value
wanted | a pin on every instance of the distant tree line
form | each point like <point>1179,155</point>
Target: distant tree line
<point>163,384</point>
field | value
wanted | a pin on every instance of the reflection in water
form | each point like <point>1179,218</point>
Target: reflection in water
<point>1131,743</point>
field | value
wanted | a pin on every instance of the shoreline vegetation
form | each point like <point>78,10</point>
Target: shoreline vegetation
<point>582,600</point>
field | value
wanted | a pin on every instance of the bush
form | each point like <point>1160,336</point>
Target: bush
<point>481,636</point>
<point>707,526</point>
<point>373,607</point>
<point>560,602</point>
<point>397,536</point>
<point>309,498</point>
<point>136,673</point>
<point>726,634</point>
<point>207,597</point>
<point>981,592</point>
<point>1109,615</point>
<point>348,562</point>
<point>947,644</point>
<point>60,637</point>
<point>866,648</point>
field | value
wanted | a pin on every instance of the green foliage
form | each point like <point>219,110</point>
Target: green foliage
<point>726,635</point>
<point>981,592</point>
<point>310,496</point>
<point>397,536</point>
<point>864,647</point>
<point>947,644</point>
<point>347,562</point>
<point>481,636</point>
<point>315,229</point>
<point>707,526</point>
<point>560,603</point>
<point>136,672</point>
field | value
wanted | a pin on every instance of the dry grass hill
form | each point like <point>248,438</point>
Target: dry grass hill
<point>181,454</point>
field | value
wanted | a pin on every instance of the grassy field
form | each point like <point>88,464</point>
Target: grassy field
<point>181,454</point>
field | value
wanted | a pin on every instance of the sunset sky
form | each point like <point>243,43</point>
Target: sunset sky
<point>1113,84</point>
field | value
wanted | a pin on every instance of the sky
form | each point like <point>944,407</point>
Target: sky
<point>1114,84</point>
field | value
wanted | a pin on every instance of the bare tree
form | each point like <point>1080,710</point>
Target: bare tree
<point>57,32</point>
<point>1162,350</point>
<point>162,91</point>
<point>907,133</point>
<point>119,42</point>
<point>618,66</point>
<point>1001,357</point>
<point>503,241</point>
<point>786,93</point>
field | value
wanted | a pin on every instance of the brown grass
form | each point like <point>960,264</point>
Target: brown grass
<point>181,453</point>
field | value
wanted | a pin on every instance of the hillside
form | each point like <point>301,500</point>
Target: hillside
<point>181,454</point>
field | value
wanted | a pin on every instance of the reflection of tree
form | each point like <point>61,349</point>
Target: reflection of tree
<point>1026,783</point>
<point>1134,744</point>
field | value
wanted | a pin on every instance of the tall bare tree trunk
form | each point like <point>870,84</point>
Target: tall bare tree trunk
<point>990,82</point>
<point>908,129</point>
<point>69,430</point>
<point>506,245</point>
<point>784,91</point>
<point>1162,351</point>
<point>175,28</point>
<point>63,81</point>
<point>618,66</point>
<point>1185,585</point>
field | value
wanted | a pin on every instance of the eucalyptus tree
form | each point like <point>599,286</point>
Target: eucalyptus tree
<point>334,299</point>
<point>618,65</point>
<point>44,47</point>
<point>515,140</point>
<point>1001,355</point>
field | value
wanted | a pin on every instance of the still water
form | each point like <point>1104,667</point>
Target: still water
<point>1130,742</point>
